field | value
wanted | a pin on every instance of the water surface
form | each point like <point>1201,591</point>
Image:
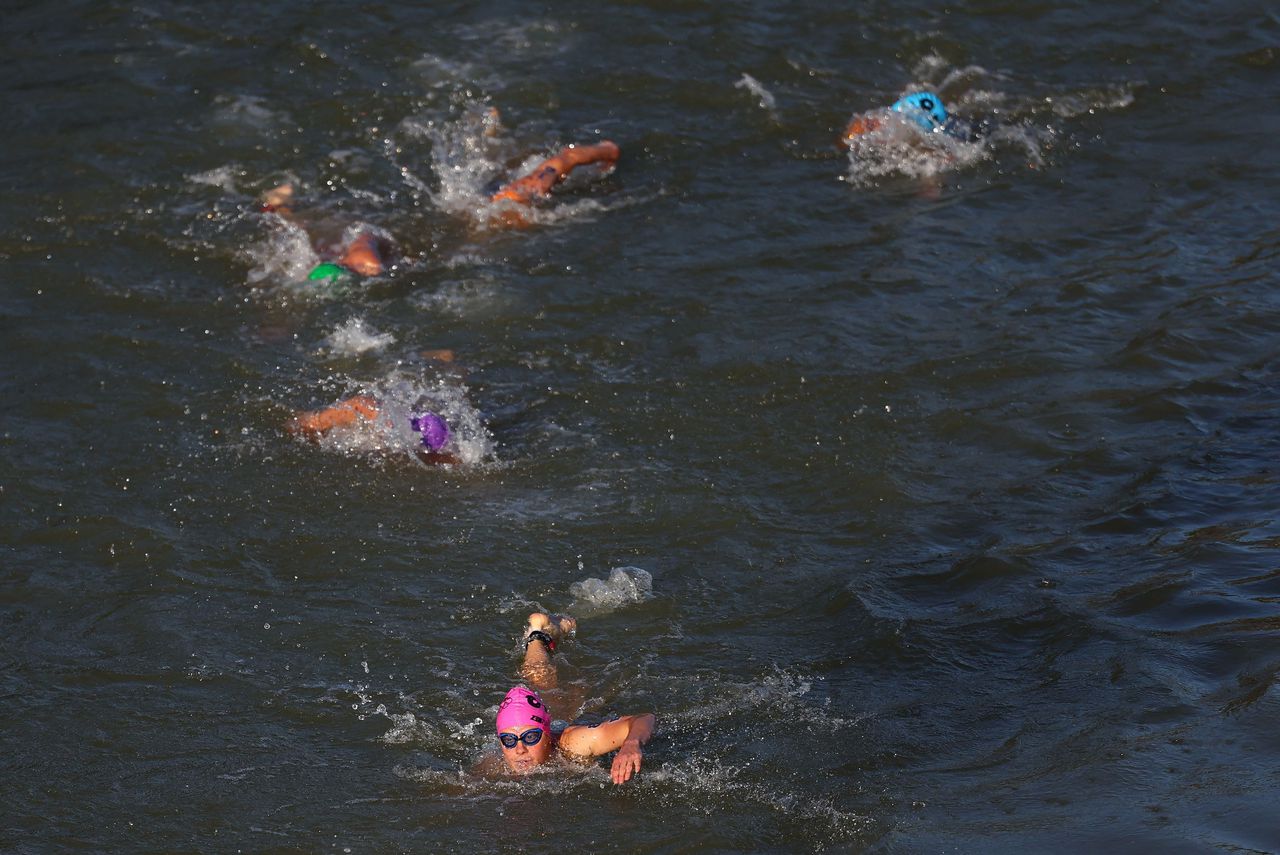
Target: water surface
<point>955,480</point>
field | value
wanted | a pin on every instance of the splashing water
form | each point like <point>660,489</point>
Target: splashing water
<point>285,254</point>
<point>399,399</point>
<point>467,154</point>
<point>470,157</point>
<point>1016,125</point>
<point>248,110</point>
<point>289,253</point>
<point>756,88</point>
<point>897,146</point>
<point>356,337</point>
<point>222,177</point>
<point>625,585</point>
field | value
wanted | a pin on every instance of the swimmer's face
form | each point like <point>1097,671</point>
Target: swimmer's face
<point>524,757</point>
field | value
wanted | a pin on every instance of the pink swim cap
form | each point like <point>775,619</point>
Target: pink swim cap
<point>523,706</point>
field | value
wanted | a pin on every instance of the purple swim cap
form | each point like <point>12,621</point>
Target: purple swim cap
<point>434,430</point>
<point>523,706</point>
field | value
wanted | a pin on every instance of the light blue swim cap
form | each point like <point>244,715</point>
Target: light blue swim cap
<point>923,108</point>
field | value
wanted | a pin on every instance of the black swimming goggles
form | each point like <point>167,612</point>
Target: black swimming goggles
<point>530,737</point>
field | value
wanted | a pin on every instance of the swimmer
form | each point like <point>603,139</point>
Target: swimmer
<point>362,255</point>
<point>923,109</point>
<point>432,429</point>
<point>525,736</point>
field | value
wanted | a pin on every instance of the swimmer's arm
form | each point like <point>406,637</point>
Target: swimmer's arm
<point>858,126</point>
<point>554,169</point>
<point>315,423</point>
<point>625,735</point>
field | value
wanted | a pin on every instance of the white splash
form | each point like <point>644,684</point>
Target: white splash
<point>625,585</point>
<point>285,254</point>
<point>756,88</point>
<point>467,156</point>
<point>222,177</point>
<point>896,146</point>
<point>399,399</point>
<point>247,110</point>
<point>356,337</point>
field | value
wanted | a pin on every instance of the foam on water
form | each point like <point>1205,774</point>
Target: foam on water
<point>624,586</point>
<point>285,254</point>
<point>406,728</point>
<point>249,111</point>
<point>466,156</point>
<point>355,337</point>
<point>468,298</point>
<point>1071,104</point>
<point>708,784</point>
<point>781,692</point>
<point>222,177</point>
<point>899,147</point>
<point>763,96</point>
<point>550,779</point>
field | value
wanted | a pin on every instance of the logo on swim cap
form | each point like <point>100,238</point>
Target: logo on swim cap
<point>923,108</point>
<point>521,706</point>
<point>434,430</point>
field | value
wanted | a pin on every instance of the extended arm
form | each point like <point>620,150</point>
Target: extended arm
<point>316,423</point>
<point>555,169</point>
<point>626,735</point>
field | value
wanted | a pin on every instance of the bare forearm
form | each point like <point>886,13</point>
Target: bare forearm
<point>641,729</point>
<point>343,414</point>
<point>554,169</point>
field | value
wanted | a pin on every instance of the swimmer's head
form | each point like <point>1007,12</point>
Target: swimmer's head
<point>434,430</point>
<point>524,729</point>
<point>923,108</point>
<point>327,272</point>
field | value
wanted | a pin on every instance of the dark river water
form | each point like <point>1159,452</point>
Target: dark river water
<point>928,493</point>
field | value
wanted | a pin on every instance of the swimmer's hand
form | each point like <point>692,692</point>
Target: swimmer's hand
<point>627,761</point>
<point>624,735</point>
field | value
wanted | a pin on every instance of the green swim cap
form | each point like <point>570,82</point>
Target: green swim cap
<point>327,271</point>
